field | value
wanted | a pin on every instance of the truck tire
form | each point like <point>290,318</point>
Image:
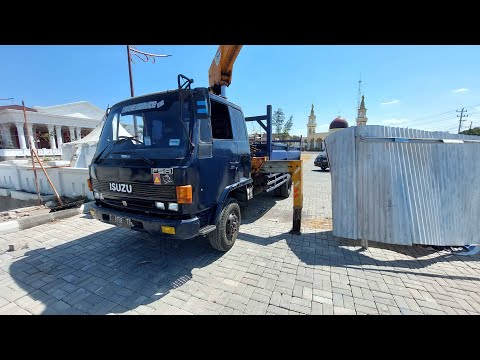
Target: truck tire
<point>228,225</point>
<point>324,168</point>
<point>286,187</point>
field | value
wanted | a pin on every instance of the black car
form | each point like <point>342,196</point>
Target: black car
<point>321,161</point>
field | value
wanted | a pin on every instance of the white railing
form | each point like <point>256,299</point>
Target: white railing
<point>11,153</point>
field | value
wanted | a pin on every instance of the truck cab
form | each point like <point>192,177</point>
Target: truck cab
<point>175,164</point>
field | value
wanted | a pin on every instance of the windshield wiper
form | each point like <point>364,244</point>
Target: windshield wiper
<point>109,146</point>
<point>147,160</point>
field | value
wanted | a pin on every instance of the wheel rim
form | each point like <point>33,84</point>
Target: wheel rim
<point>232,226</point>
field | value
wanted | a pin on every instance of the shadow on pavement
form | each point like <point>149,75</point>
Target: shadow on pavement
<point>259,206</point>
<point>110,271</point>
<point>315,249</point>
<point>117,270</point>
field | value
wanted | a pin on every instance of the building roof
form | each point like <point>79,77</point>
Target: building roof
<point>16,107</point>
<point>338,123</point>
<point>79,109</point>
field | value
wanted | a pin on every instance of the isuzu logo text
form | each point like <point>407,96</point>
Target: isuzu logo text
<point>120,187</point>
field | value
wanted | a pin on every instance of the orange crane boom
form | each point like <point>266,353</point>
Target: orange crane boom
<point>220,72</point>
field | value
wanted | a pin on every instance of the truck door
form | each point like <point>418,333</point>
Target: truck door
<point>225,170</point>
<point>241,143</point>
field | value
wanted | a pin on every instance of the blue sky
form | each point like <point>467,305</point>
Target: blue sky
<point>412,86</point>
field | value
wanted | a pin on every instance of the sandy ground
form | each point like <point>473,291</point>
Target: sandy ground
<point>22,212</point>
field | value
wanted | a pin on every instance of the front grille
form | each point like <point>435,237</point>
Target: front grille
<point>139,191</point>
<point>132,203</point>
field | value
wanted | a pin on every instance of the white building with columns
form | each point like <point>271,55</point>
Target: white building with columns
<point>49,127</point>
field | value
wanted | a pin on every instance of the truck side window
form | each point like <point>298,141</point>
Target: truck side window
<point>221,123</point>
<point>239,124</point>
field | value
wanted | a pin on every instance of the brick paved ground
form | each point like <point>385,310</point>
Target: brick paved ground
<point>83,266</point>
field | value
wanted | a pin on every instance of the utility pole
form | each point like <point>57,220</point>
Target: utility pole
<point>145,57</point>
<point>142,55</point>
<point>461,117</point>
<point>132,94</point>
<point>470,125</point>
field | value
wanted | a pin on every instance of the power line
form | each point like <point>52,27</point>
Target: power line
<point>429,117</point>
<point>8,99</point>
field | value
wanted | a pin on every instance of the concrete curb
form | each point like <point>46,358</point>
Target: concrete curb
<point>9,227</point>
<point>29,222</point>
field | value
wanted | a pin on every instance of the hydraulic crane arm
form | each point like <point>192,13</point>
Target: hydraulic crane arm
<point>220,72</point>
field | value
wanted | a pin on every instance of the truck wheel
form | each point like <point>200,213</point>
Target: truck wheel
<point>286,187</point>
<point>228,225</point>
<point>324,168</point>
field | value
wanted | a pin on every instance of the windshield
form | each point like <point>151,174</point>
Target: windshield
<point>149,127</point>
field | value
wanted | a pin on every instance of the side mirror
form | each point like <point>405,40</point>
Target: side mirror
<point>201,103</point>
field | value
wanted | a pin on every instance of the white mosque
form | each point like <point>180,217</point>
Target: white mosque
<point>314,139</point>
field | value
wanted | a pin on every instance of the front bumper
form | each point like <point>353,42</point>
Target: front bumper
<point>184,229</point>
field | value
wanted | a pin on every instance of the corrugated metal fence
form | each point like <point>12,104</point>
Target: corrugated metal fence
<point>405,186</point>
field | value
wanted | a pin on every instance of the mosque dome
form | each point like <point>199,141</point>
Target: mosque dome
<point>338,123</point>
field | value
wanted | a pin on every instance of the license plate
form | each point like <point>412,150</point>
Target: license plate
<point>121,221</point>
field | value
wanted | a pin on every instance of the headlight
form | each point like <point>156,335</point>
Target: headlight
<point>93,171</point>
<point>173,206</point>
<point>98,195</point>
<point>160,205</point>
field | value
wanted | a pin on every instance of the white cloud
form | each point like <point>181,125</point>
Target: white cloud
<point>461,90</point>
<point>390,122</point>
<point>390,102</point>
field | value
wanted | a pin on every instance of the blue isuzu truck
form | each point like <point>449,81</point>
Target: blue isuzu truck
<point>177,163</point>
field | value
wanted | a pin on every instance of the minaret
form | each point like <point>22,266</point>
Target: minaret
<point>362,113</point>
<point>311,123</point>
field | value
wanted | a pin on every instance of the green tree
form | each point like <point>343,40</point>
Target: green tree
<point>278,119</point>
<point>287,127</point>
<point>474,131</point>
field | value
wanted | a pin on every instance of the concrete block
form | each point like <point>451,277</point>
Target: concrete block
<point>5,192</point>
<point>31,221</point>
